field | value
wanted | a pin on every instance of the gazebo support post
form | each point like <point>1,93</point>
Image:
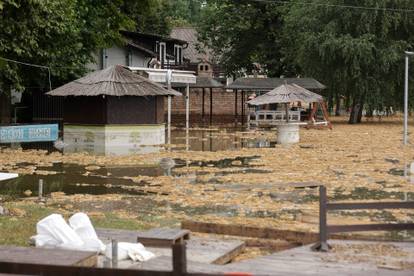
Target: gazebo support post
<point>187,107</point>
<point>242,108</point>
<point>169,78</point>
<point>202,105</point>
<point>187,116</point>
<point>235,106</point>
<point>169,120</point>
<point>287,112</point>
<point>211,106</point>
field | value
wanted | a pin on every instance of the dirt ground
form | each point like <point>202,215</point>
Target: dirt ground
<point>355,162</point>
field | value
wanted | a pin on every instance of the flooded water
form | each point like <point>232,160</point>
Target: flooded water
<point>76,179</point>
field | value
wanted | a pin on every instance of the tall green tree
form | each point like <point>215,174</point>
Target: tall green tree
<point>60,34</point>
<point>244,32</point>
<point>150,16</point>
<point>358,53</point>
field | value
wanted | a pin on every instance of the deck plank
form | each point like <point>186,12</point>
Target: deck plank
<point>302,261</point>
<point>31,255</point>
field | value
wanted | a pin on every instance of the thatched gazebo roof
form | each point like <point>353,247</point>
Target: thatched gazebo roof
<point>113,81</point>
<point>287,93</point>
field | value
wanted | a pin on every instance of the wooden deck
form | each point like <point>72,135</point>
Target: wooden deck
<point>203,250</point>
<point>55,256</point>
<point>348,258</point>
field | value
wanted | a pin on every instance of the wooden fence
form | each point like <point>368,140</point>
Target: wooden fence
<point>179,262</point>
<point>325,230</point>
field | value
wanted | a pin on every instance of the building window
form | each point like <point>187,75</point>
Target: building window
<point>178,54</point>
<point>205,67</point>
<point>200,68</point>
<point>129,58</point>
<point>162,55</point>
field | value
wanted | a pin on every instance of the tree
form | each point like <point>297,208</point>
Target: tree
<point>60,34</point>
<point>150,16</point>
<point>358,53</point>
<point>243,32</point>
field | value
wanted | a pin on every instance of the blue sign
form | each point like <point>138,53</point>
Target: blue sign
<point>29,133</point>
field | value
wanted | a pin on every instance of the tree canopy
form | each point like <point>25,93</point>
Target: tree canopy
<point>242,33</point>
<point>357,52</point>
<point>60,34</point>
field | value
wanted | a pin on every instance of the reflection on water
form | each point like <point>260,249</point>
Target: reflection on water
<point>217,140</point>
<point>127,142</point>
<point>75,179</point>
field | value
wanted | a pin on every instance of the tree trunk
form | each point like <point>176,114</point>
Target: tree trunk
<point>356,111</point>
<point>5,108</point>
<point>338,106</point>
<point>330,104</point>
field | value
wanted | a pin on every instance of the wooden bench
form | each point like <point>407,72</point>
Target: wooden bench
<point>157,237</point>
<point>163,237</point>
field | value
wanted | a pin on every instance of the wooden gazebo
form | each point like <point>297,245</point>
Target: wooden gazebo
<point>286,94</point>
<point>263,85</point>
<point>113,111</point>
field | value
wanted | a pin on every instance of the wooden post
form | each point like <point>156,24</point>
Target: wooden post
<point>169,78</point>
<point>287,112</point>
<point>313,112</point>
<point>235,106</point>
<point>242,108</point>
<point>325,114</point>
<point>169,120</point>
<point>211,106</point>
<point>202,105</point>
<point>179,259</point>
<point>322,245</point>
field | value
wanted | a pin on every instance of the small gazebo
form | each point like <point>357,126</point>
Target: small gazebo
<point>287,121</point>
<point>112,108</point>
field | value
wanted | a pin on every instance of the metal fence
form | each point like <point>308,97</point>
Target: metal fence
<point>325,229</point>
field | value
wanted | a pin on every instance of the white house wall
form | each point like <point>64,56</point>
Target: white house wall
<point>118,55</point>
<point>138,59</point>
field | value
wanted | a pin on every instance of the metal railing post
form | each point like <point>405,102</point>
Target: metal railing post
<point>179,258</point>
<point>322,245</point>
<point>40,192</point>
<point>114,253</point>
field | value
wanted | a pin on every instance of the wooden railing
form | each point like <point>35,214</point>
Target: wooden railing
<point>325,230</point>
<point>179,261</point>
<point>272,117</point>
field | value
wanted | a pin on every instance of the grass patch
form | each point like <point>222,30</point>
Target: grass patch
<point>17,227</point>
<point>110,220</point>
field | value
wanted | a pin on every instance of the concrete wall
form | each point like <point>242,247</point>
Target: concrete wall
<point>114,139</point>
